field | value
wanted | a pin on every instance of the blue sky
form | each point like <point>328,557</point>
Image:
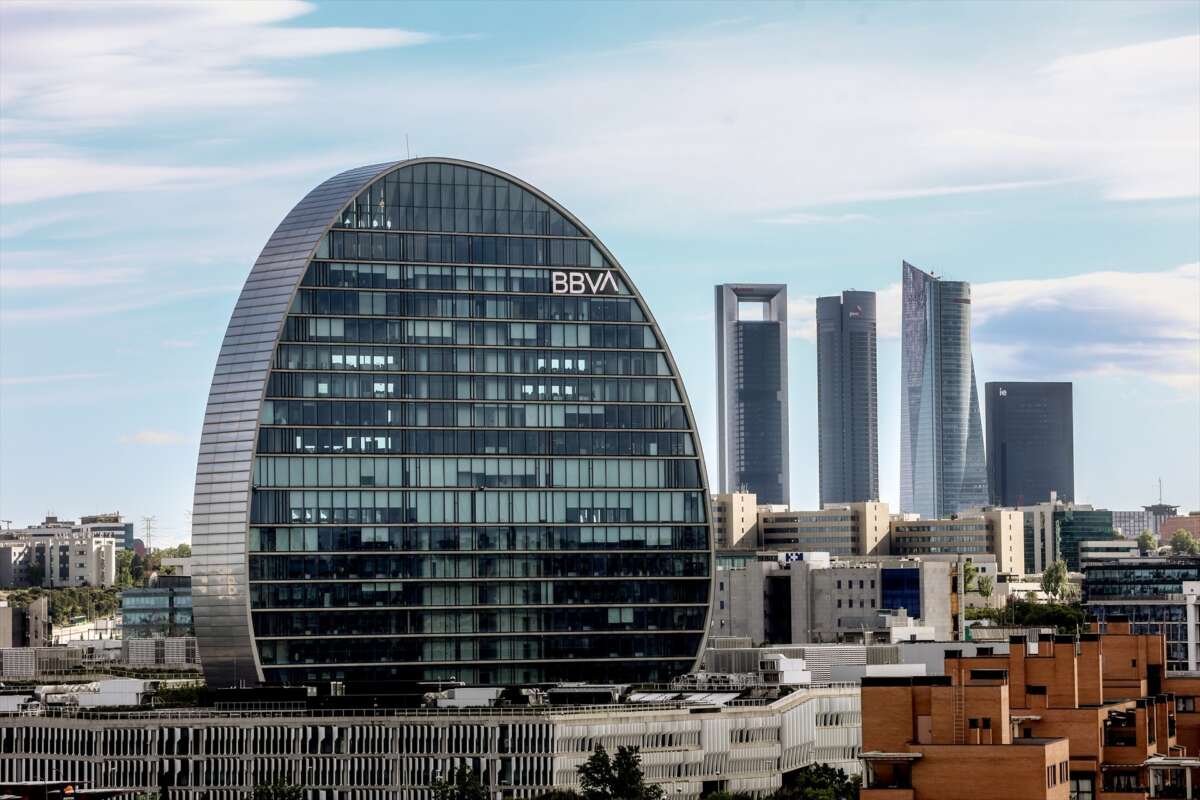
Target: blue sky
<point>1048,153</point>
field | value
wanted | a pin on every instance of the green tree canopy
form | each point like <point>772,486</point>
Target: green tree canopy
<point>985,585</point>
<point>1146,542</point>
<point>1054,579</point>
<point>1183,543</point>
<point>620,778</point>
<point>463,784</point>
<point>278,789</point>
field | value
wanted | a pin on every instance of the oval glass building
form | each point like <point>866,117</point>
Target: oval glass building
<point>446,440</point>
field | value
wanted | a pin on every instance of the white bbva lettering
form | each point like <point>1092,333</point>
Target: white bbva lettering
<point>583,283</point>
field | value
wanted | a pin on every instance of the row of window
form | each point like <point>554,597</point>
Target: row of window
<point>344,566</point>
<point>451,387</point>
<point>478,507</point>
<point>364,650</point>
<point>335,275</point>
<point>446,248</point>
<point>426,595</point>
<point>472,415</point>
<point>381,205</point>
<point>473,442</point>
<point>497,674</point>
<point>508,539</point>
<point>478,334</point>
<point>439,359</point>
<point>365,623</point>
<point>396,473</point>
<point>347,302</point>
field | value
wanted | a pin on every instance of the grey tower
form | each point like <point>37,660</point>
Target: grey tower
<point>847,398</point>
<point>1030,442</point>
<point>752,404</point>
<point>942,468</point>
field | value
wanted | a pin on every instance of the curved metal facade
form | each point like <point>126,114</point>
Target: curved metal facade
<point>489,472</point>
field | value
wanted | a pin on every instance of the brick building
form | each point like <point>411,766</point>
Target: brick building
<point>1091,717</point>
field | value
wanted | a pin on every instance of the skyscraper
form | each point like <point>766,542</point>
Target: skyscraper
<point>446,440</point>
<point>847,400</point>
<point>1030,443</point>
<point>942,467</point>
<point>752,379</point>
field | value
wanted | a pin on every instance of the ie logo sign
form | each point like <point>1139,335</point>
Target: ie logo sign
<point>583,283</point>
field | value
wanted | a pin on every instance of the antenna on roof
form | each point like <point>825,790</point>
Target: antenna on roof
<point>407,151</point>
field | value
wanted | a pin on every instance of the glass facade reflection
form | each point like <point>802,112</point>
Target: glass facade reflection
<point>1030,442</point>
<point>468,463</point>
<point>942,467</point>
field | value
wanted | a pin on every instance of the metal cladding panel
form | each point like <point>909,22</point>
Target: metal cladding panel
<point>220,582</point>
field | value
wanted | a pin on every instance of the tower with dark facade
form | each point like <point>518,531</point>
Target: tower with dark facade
<point>752,396</point>
<point>446,440</point>
<point>942,466</point>
<point>847,398</point>
<point>1030,442</point>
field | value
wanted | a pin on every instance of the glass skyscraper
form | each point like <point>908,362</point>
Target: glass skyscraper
<point>1030,442</point>
<point>446,440</point>
<point>847,398</point>
<point>752,394</point>
<point>942,467</point>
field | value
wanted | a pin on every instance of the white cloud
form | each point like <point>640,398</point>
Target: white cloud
<point>37,380</point>
<point>51,277</point>
<point>806,218</point>
<point>155,438</point>
<point>97,64</point>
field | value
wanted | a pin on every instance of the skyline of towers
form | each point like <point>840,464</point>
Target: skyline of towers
<point>752,390</point>
<point>1030,442</point>
<point>847,398</point>
<point>942,465</point>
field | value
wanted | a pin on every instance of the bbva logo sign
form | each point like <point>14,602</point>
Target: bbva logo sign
<point>583,283</point>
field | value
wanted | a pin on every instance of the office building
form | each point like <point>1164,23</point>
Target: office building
<point>796,598</point>
<point>1098,550</point>
<point>1030,442</point>
<point>847,398</point>
<point>1054,530</point>
<point>110,524</point>
<point>158,611</point>
<point>735,520</point>
<point>996,531</point>
<point>445,439</point>
<point>1078,717</point>
<point>691,743</point>
<point>752,390</point>
<point>942,467</point>
<point>840,529</point>
<point>1156,595</point>
<point>56,557</point>
<point>1130,524</point>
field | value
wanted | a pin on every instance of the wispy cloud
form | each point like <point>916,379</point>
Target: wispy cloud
<point>155,438</point>
<point>99,64</point>
<point>807,218</point>
<point>62,377</point>
<point>51,277</point>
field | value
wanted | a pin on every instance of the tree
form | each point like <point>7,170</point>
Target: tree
<point>278,789</point>
<point>1054,579</point>
<point>463,784</point>
<point>984,586</point>
<point>124,573</point>
<point>560,794</point>
<point>1146,542</point>
<point>969,572</point>
<point>137,569</point>
<point>620,778</point>
<point>818,782</point>
<point>1183,543</point>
